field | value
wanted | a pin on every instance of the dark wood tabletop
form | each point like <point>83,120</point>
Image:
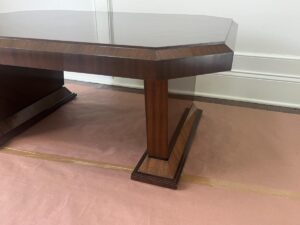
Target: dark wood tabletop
<point>139,45</point>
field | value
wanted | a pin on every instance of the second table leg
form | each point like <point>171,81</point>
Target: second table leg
<point>26,96</point>
<point>171,121</point>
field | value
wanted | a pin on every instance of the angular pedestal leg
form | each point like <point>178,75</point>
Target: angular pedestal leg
<point>172,120</point>
<point>28,95</point>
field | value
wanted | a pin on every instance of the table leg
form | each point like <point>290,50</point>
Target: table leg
<point>171,120</point>
<point>28,95</point>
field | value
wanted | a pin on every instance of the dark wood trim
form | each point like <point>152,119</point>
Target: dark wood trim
<point>117,51</point>
<point>131,62</point>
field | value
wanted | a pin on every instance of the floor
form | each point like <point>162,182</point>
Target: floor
<point>74,167</point>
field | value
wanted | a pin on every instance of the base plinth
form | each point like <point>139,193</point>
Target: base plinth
<point>166,173</point>
<point>23,119</point>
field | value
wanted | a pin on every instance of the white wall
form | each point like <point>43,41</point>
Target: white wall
<point>267,62</point>
<point>86,5</point>
<point>265,25</point>
<point>21,5</point>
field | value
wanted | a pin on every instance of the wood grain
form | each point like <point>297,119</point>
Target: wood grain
<point>167,173</point>
<point>156,105</point>
<point>131,62</point>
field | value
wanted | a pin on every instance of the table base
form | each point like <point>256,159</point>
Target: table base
<point>166,173</point>
<point>26,96</point>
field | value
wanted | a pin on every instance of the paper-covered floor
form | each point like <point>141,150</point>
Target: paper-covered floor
<point>74,167</point>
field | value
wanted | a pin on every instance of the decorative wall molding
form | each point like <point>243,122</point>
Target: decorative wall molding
<point>268,55</point>
<point>270,65</point>
<point>263,76</point>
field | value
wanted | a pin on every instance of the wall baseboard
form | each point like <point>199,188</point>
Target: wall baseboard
<point>90,78</point>
<point>253,88</point>
<point>279,67</point>
<point>256,78</point>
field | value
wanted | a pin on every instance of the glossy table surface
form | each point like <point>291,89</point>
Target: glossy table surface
<point>129,29</point>
<point>132,45</point>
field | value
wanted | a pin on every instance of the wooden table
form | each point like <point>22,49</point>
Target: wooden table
<point>166,51</point>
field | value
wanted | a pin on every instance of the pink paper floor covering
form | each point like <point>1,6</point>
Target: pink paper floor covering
<point>243,167</point>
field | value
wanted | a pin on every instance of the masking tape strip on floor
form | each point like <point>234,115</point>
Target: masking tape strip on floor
<point>194,179</point>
